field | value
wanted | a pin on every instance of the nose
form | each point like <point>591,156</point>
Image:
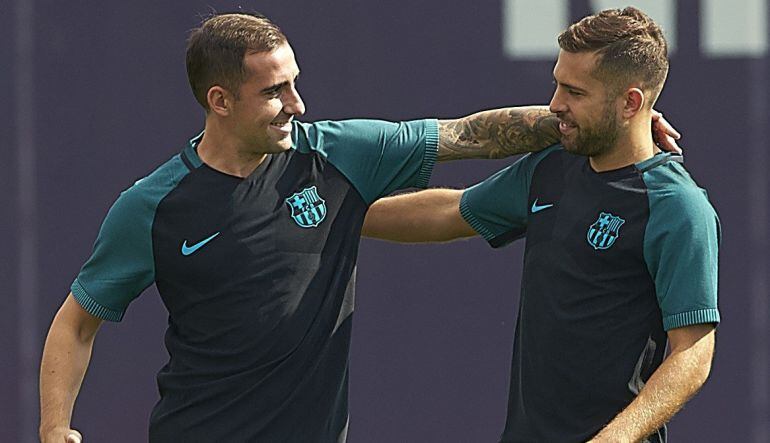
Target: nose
<point>557,105</point>
<point>292,103</point>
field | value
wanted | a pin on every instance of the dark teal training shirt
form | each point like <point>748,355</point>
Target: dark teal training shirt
<point>612,261</point>
<point>257,275</point>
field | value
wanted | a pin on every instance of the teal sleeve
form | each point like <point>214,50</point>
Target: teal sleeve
<point>122,263</point>
<point>681,247</point>
<point>497,208</point>
<point>377,157</point>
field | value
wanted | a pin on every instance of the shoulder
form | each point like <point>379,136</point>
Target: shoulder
<point>551,158</point>
<point>552,153</point>
<point>676,197</point>
<point>670,184</point>
<point>145,194</point>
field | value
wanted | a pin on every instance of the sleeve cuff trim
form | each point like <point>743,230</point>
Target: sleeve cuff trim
<point>479,227</point>
<point>691,318</point>
<point>92,306</point>
<point>431,152</point>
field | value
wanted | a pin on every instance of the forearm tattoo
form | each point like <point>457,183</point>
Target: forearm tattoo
<point>497,134</point>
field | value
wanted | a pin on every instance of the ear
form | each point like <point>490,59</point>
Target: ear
<point>220,100</point>
<point>633,102</point>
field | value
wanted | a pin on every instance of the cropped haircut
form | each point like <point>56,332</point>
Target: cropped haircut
<point>215,51</point>
<point>630,48</point>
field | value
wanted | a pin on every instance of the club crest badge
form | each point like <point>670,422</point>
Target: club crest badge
<point>603,233</point>
<point>308,209</point>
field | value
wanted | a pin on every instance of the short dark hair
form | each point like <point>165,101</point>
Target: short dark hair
<point>631,47</point>
<point>216,49</point>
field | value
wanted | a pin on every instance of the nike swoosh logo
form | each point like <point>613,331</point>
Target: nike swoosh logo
<point>187,250</point>
<point>538,208</point>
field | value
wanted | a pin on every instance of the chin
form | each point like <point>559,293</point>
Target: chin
<point>280,146</point>
<point>574,148</point>
<point>284,145</point>
<point>569,144</point>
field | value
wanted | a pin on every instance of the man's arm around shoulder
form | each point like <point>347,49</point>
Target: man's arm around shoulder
<point>66,355</point>
<point>498,133</point>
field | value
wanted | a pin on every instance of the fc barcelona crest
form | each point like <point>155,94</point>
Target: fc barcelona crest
<point>603,233</point>
<point>307,208</point>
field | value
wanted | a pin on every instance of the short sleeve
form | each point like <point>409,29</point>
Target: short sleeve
<point>377,157</point>
<point>497,207</point>
<point>121,265</point>
<point>681,248</point>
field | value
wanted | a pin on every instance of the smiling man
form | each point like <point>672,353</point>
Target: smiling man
<point>251,236</point>
<point>621,248</point>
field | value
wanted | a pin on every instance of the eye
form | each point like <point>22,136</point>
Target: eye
<point>274,92</point>
<point>573,92</point>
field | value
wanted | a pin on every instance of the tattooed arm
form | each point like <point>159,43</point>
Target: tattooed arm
<point>434,215</point>
<point>498,133</point>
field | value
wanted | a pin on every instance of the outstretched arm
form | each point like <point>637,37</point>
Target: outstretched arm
<point>432,215</point>
<point>66,355</point>
<point>498,133</point>
<point>678,378</point>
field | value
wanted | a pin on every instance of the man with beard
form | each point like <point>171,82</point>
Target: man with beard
<point>251,235</point>
<point>621,248</point>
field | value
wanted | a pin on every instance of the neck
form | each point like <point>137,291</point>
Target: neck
<point>220,150</point>
<point>634,145</point>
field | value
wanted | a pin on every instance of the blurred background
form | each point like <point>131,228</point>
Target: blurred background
<point>95,96</point>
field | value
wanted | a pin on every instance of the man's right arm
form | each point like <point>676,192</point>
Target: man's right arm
<point>499,133</point>
<point>426,216</point>
<point>66,355</point>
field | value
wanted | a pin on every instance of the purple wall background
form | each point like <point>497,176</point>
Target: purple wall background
<point>101,98</point>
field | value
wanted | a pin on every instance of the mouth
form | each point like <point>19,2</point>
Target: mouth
<point>282,126</point>
<point>566,127</point>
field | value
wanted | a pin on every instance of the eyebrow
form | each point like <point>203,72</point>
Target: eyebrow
<point>275,87</point>
<point>278,86</point>
<point>569,86</point>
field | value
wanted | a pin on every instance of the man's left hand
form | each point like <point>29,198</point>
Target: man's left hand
<point>664,135</point>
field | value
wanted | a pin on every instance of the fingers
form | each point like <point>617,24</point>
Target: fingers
<point>668,144</point>
<point>665,141</point>
<point>661,124</point>
<point>664,134</point>
<point>74,437</point>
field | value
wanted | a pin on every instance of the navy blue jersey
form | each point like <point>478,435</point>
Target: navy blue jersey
<point>612,261</point>
<point>257,274</point>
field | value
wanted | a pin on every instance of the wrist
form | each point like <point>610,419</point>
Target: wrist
<point>46,431</point>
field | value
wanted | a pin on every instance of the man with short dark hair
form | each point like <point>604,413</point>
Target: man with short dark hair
<point>251,236</point>
<point>621,249</point>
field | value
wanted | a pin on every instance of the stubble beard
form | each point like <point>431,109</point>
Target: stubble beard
<point>596,140</point>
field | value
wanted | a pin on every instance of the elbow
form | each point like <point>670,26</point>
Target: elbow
<point>700,373</point>
<point>704,372</point>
